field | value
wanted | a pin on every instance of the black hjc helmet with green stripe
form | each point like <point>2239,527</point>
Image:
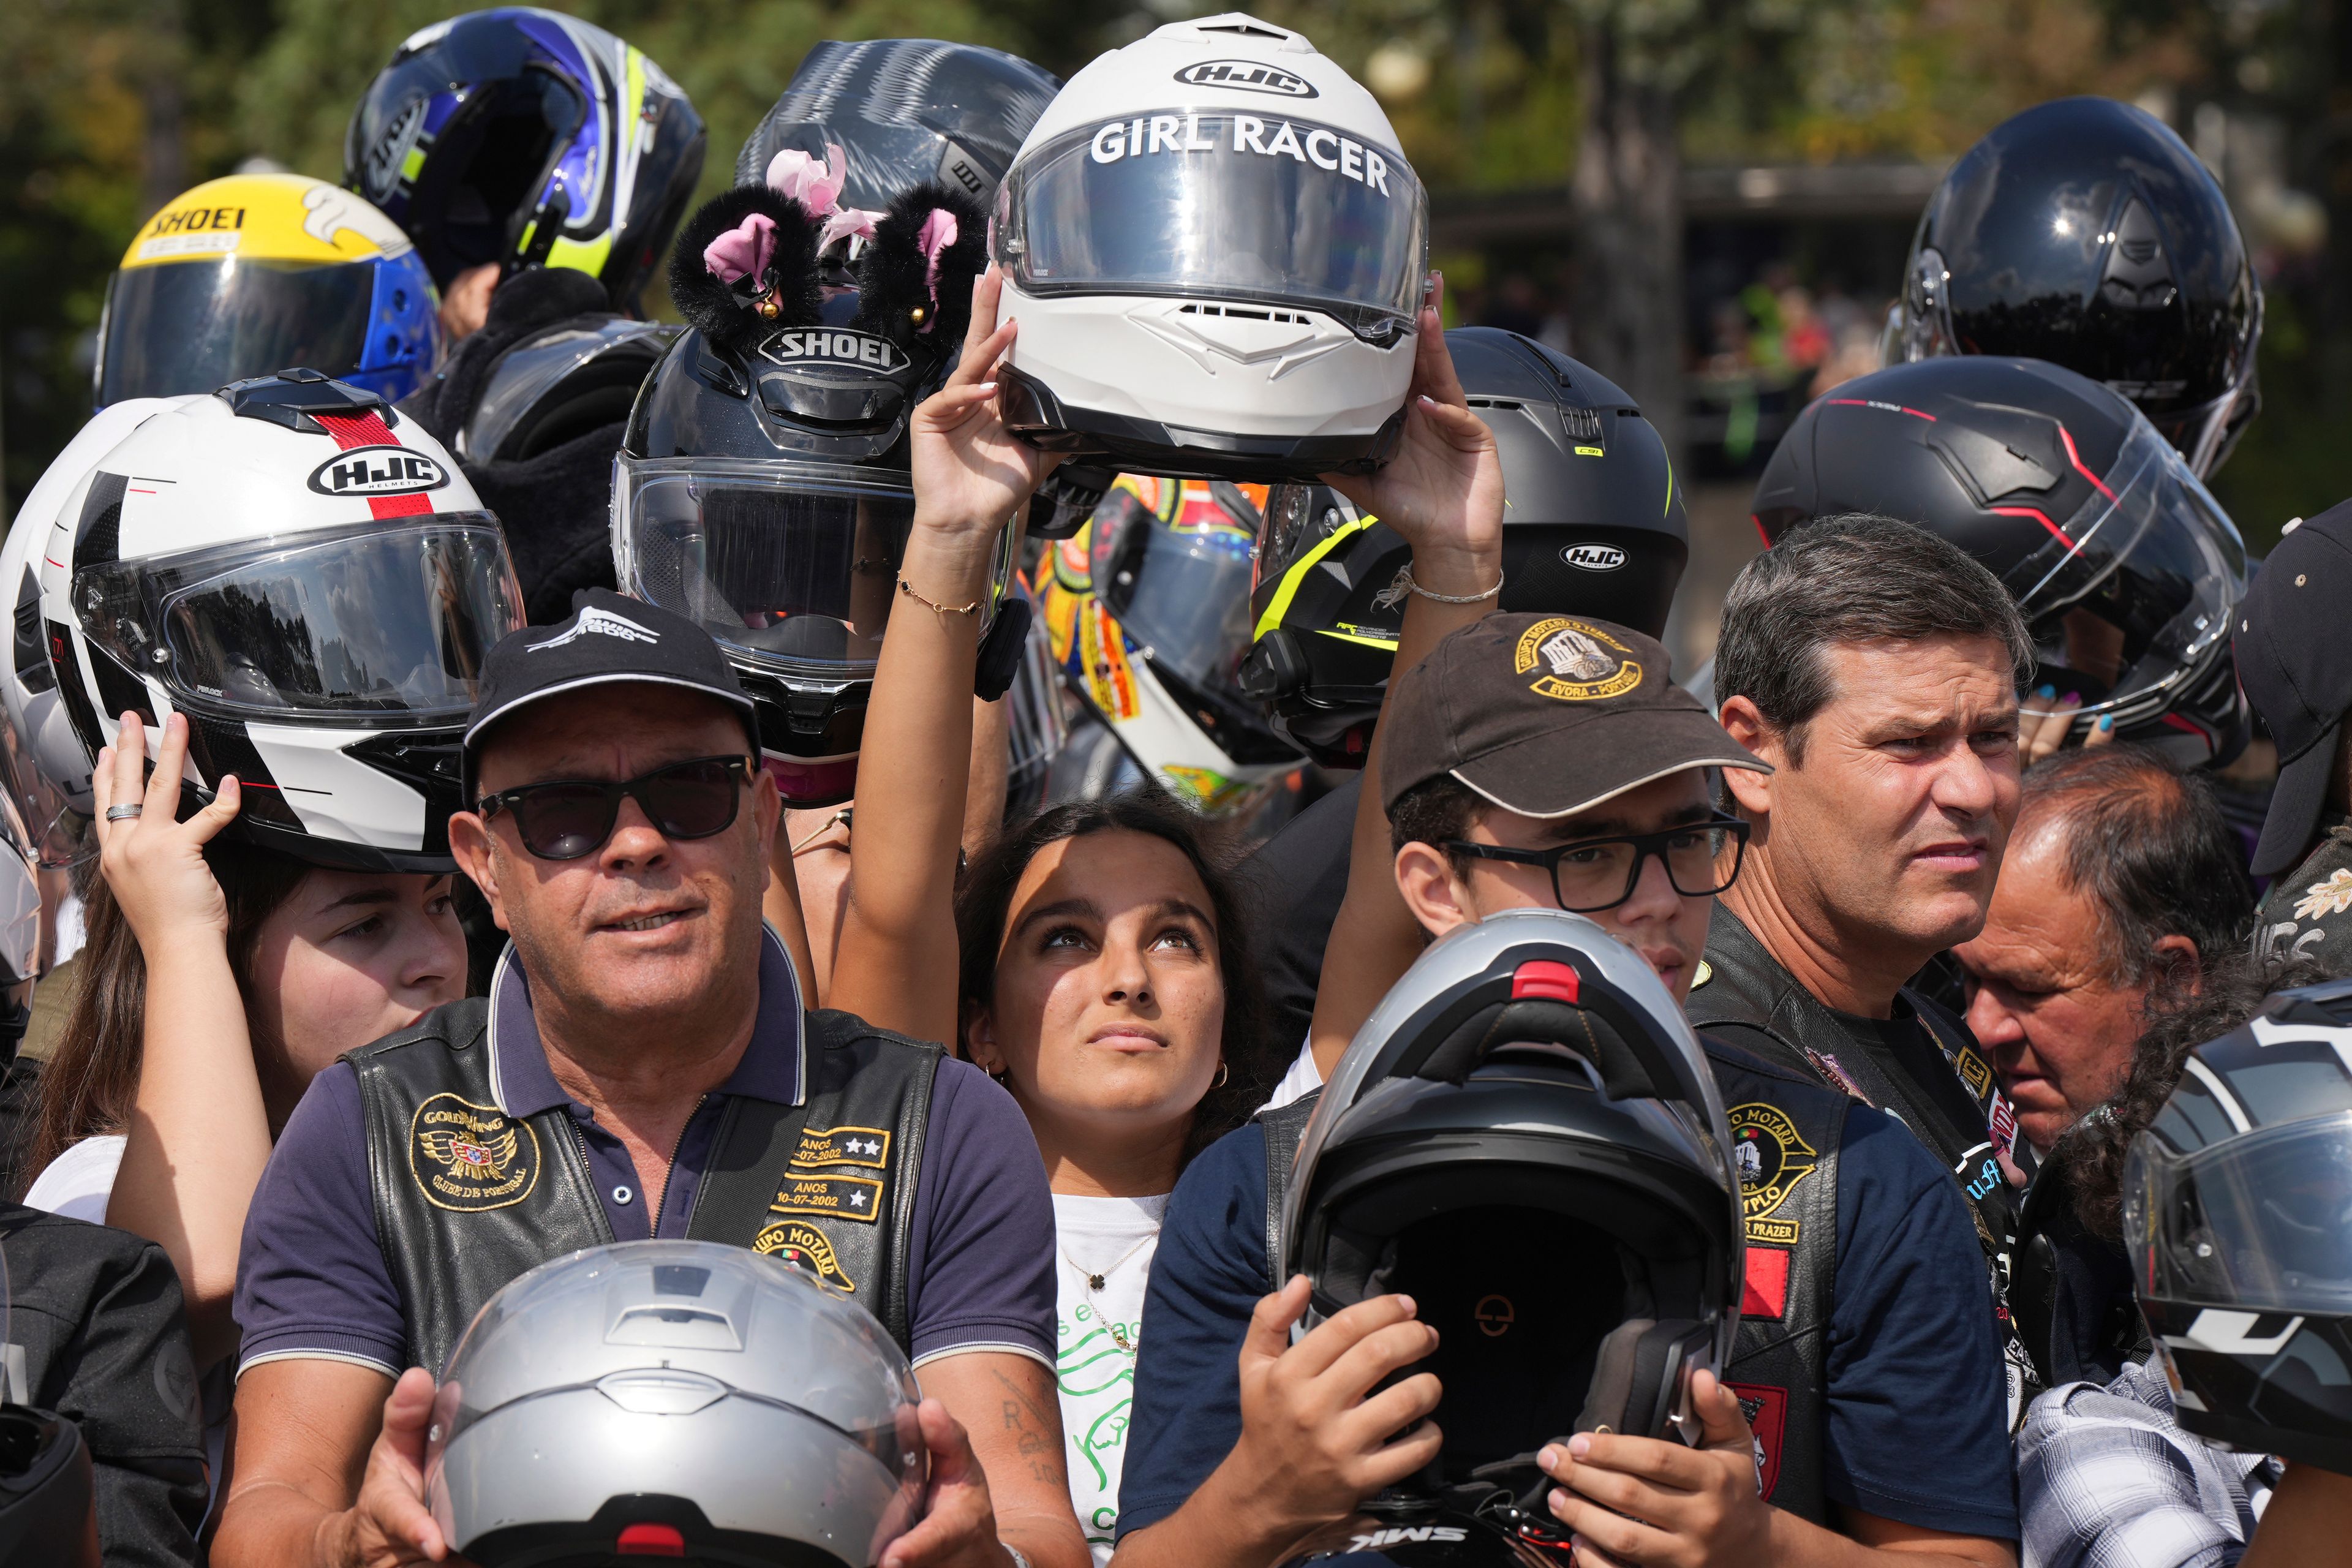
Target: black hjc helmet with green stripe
<point>1594,526</point>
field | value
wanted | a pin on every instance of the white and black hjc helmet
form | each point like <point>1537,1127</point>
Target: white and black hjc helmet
<point>673,1399</point>
<point>308,577</point>
<point>1525,1138</point>
<point>2238,1215</point>
<point>1216,252</point>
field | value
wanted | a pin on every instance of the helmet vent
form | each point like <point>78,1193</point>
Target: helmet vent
<point>1581,424</point>
<point>1245,30</point>
<point>1289,318</point>
<point>1543,978</point>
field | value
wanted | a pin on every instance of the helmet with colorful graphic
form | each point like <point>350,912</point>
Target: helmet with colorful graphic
<point>1148,609</point>
<point>1217,253</point>
<point>518,135</point>
<point>2237,1208</point>
<point>1595,527</point>
<point>305,576</point>
<point>250,274</point>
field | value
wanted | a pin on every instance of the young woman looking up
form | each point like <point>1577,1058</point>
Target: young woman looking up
<point>1106,983</point>
<point>219,978</point>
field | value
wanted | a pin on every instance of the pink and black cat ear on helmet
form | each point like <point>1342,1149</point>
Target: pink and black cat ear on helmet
<point>915,275</point>
<point>746,263</point>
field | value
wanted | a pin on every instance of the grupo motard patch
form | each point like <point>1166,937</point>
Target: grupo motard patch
<point>1150,135</point>
<point>471,1158</point>
<point>1771,1158</point>
<point>805,1247</point>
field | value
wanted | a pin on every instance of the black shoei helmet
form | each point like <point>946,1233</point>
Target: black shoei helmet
<point>2125,566</point>
<point>1525,1138</point>
<point>2238,1214</point>
<point>2085,233</point>
<point>762,486</point>
<point>1595,526</point>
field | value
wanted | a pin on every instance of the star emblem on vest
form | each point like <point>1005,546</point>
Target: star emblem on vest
<point>469,1157</point>
<point>1575,661</point>
<point>866,1146</point>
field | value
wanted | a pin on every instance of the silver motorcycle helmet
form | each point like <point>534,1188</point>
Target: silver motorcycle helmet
<point>673,1399</point>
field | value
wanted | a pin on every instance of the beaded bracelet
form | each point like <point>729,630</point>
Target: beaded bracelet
<point>971,609</point>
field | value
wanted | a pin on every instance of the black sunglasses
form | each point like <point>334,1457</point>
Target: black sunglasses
<point>1594,874</point>
<point>566,819</point>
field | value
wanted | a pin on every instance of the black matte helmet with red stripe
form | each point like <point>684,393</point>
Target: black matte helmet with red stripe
<point>2127,569</point>
<point>308,577</point>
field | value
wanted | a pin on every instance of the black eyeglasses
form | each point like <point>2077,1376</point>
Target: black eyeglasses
<point>566,819</point>
<point>1594,874</point>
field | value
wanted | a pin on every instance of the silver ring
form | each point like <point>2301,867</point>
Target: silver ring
<point>122,812</point>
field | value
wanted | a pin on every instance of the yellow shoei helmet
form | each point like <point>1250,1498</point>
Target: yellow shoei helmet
<point>257,273</point>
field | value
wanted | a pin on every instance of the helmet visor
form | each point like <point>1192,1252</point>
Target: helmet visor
<point>791,567</point>
<point>1182,592</point>
<point>189,326</point>
<point>2130,592</point>
<point>2263,1221</point>
<point>1222,206</point>
<point>386,622</point>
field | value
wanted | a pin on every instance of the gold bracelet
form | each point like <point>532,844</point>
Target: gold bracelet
<point>909,589</point>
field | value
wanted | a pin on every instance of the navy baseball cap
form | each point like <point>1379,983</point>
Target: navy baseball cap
<point>608,640</point>
<point>2295,665</point>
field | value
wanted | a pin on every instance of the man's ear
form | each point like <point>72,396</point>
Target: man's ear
<point>470,843</point>
<point>2179,969</point>
<point>1437,897</point>
<point>1750,791</point>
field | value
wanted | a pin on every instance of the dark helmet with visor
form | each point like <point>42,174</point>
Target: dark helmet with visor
<point>763,487</point>
<point>306,576</point>
<point>2124,567</point>
<point>518,135</point>
<point>1596,526</point>
<point>676,1399</point>
<point>2238,1215</point>
<point>1525,1138</point>
<point>2085,232</point>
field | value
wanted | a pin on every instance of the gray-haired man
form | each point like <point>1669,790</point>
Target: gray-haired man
<point>1877,667</point>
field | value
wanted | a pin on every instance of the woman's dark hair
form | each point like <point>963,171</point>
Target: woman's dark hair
<point>92,1078</point>
<point>2232,993</point>
<point>984,901</point>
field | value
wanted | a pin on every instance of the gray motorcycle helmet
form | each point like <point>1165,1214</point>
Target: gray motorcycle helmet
<point>675,1398</point>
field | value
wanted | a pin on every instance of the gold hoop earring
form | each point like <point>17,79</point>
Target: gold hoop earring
<point>1225,1076</point>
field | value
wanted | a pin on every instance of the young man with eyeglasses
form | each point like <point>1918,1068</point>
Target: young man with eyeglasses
<point>1550,761</point>
<point>643,1067</point>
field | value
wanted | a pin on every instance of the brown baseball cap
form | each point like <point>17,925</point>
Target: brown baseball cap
<point>1547,716</point>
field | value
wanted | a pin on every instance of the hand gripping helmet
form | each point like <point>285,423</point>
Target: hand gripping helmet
<point>1216,252</point>
<point>1147,606</point>
<point>2125,568</point>
<point>762,488</point>
<point>305,576</point>
<point>243,275</point>
<point>2238,1215</point>
<point>1525,1138</point>
<point>1595,527</point>
<point>2085,233</point>
<point>518,136</point>
<point>673,1399</point>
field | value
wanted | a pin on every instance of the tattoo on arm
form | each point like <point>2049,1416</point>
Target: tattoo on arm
<point>1030,1423</point>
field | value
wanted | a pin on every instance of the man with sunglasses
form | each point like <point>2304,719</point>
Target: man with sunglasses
<point>643,1067</point>
<point>1547,760</point>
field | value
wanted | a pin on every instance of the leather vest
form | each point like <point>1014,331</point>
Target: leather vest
<point>1745,998</point>
<point>1786,1132</point>
<point>467,1198</point>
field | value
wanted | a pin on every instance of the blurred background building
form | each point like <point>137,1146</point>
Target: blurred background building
<point>1708,200</point>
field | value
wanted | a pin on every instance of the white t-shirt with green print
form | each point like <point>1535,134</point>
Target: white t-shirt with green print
<point>1113,1238</point>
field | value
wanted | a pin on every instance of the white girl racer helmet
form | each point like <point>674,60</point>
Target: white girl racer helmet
<point>1216,252</point>
<point>306,575</point>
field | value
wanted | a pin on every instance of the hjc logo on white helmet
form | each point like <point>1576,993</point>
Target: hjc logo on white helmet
<point>378,471</point>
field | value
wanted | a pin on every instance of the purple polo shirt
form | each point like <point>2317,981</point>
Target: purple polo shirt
<point>312,1279</point>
